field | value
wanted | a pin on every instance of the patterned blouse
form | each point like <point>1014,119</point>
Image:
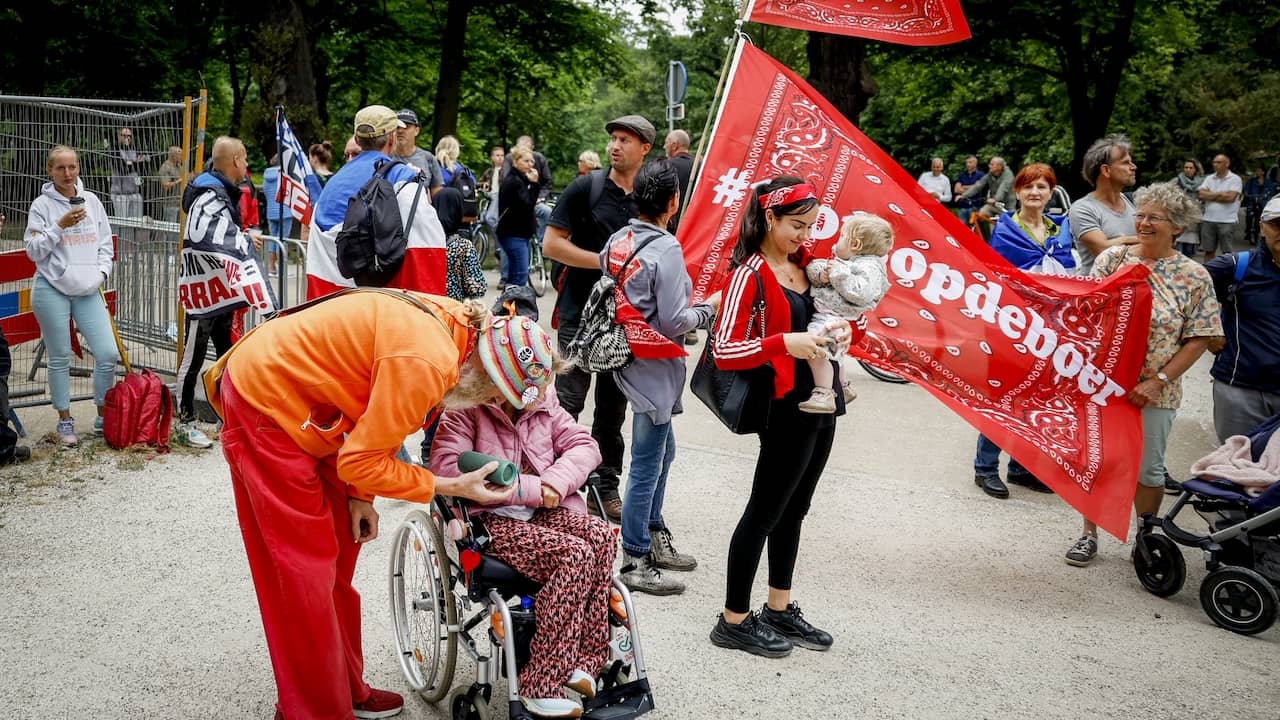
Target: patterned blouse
<point>1183,306</point>
<point>463,277</point>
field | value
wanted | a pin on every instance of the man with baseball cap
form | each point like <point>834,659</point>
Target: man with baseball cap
<point>375,134</point>
<point>1246,373</point>
<point>362,369</point>
<point>592,208</point>
<point>407,149</point>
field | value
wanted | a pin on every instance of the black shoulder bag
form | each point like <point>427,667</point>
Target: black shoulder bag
<point>739,398</point>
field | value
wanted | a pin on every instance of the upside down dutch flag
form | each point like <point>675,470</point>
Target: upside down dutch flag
<point>1040,364</point>
<point>295,169</point>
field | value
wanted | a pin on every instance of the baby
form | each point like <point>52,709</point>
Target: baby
<point>849,284</point>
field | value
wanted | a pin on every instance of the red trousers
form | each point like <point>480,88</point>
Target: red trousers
<point>297,534</point>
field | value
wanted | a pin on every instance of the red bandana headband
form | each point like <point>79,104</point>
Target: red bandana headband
<point>787,195</point>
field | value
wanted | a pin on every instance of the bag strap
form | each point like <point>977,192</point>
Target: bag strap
<point>347,291</point>
<point>759,308</point>
<point>1242,265</point>
<point>413,209</point>
<point>383,167</point>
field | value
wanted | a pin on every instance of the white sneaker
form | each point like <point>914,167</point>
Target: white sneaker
<point>67,432</point>
<point>192,437</point>
<point>552,707</point>
<point>582,683</point>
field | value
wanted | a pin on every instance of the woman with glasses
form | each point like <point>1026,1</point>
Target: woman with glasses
<point>1184,316</point>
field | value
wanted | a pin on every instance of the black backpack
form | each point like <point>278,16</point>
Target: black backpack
<point>463,181</point>
<point>372,241</point>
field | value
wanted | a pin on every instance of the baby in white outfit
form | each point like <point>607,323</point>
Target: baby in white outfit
<point>849,284</point>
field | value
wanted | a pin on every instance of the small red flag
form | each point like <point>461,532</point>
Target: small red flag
<point>906,22</point>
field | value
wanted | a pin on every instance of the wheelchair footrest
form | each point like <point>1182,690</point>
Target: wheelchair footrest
<point>630,700</point>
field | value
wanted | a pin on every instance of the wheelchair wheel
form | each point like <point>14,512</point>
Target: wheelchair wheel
<point>881,375</point>
<point>1239,599</point>
<point>422,607</point>
<point>1159,564</point>
<point>539,276</point>
<point>468,703</point>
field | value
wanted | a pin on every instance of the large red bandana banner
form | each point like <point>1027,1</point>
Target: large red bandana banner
<point>905,22</point>
<point>1039,364</point>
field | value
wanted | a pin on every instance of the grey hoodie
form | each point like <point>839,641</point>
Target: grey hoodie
<point>75,260</point>
<point>660,291</point>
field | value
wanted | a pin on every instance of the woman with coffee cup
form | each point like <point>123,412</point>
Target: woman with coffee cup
<point>69,239</point>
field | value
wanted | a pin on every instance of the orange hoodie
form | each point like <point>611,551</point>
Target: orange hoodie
<point>368,365</point>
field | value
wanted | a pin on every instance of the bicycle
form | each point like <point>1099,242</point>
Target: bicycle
<point>479,232</point>
<point>882,375</point>
<point>539,272</point>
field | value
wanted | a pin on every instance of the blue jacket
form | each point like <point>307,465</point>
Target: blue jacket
<point>1019,248</point>
<point>1251,357</point>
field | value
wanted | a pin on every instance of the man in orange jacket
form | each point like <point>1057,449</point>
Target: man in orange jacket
<point>315,406</point>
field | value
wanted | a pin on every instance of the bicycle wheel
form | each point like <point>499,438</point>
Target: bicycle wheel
<point>881,375</point>
<point>422,607</point>
<point>539,275</point>
<point>482,239</point>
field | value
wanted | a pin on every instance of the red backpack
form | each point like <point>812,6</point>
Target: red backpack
<point>138,411</point>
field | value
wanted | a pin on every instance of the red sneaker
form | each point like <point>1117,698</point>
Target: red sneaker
<point>379,704</point>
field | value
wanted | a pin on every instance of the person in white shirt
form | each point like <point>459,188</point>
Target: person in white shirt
<point>935,183</point>
<point>1221,195</point>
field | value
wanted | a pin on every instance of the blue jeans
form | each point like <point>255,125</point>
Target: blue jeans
<point>517,252</point>
<point>279,226</point>
<point>987,460</point>
<point>542,212</point>
<point>653,447</point>
<point>54,311</point>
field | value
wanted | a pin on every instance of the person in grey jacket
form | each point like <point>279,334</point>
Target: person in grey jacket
<point>996,187</point>
<point>654,306</point>
<point>69,240</point>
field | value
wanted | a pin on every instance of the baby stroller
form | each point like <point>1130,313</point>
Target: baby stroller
<point>439,575</point>
<point>1241,549</point>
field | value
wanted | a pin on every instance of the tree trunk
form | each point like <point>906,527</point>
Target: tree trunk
<point>449,89</point>
<point>838,69</point>
<point>1093,64</point>
<point>282,62</point>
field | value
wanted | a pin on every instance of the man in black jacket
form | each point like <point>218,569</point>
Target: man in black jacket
<point>591,209</point>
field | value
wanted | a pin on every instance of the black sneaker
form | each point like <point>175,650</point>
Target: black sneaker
<point>791,623</point>
<point>1171,486</point>
<point>751,636</point>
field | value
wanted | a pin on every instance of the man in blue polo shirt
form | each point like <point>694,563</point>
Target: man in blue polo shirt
<point>375,133</point>
<point>1246,373</point>
<point>967,179</point>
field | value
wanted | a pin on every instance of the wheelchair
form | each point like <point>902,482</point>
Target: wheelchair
<point>443,588</point>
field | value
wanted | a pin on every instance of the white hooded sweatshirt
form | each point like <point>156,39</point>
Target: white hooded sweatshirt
<point>75,260</point>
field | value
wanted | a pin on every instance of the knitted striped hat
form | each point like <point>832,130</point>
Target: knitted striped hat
<point>517,355</point>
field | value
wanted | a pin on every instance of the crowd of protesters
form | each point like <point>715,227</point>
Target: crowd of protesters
<point>493,381</point>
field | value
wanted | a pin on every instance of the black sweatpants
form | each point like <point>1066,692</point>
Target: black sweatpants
<point>610,413</point>
<point>793,454</point>
<point>8,437</point>
<point>198,334</point>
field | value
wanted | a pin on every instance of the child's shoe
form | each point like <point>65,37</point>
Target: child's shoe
<point>849,393</point>
<point>822,401</point>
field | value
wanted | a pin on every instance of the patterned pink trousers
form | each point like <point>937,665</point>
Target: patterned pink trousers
<point>571,554</point>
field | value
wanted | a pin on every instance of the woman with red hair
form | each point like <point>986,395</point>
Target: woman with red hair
<point>1035,242</point>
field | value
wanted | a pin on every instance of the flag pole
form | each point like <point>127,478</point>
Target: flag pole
<point>280,246</point>
<point>740,37</point>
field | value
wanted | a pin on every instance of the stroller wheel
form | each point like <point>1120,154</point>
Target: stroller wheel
<point>1239,599</point>
<point>1159,564</point>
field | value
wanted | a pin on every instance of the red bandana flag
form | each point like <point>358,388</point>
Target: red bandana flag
<point>1039,364</point>
<point>906,22</point>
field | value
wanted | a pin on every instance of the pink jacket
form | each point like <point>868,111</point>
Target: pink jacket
<point>545,438</point>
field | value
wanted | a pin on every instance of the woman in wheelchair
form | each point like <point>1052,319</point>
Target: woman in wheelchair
<point>545,534</point>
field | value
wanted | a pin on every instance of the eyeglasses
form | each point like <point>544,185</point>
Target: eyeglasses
<point>1143,217</point>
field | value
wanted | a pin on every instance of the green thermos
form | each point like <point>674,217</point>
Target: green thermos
<point>506,473</point>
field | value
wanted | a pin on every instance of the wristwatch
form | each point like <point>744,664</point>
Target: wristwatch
<point>1162,377</point>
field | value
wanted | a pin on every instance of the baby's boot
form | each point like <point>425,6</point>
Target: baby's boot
<point>822,401</point>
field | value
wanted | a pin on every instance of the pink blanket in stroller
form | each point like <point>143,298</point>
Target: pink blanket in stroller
<point>1233,461</point>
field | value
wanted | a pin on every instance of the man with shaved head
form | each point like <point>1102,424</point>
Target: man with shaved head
<point>1220,193</point>
<point>212,202</point>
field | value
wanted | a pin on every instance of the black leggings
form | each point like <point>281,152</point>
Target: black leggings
<point>793,454</point>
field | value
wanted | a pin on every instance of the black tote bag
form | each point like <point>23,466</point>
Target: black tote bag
<point>738,398</point>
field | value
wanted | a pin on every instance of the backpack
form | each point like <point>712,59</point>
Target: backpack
<point>461,179</point>
<point>371,244</point>
<point>138,410</point>
<point>600,345</point>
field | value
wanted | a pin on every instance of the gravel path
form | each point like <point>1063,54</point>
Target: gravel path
<point>125,591</point>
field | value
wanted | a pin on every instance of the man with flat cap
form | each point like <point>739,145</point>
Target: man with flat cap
<point>591,209</point>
